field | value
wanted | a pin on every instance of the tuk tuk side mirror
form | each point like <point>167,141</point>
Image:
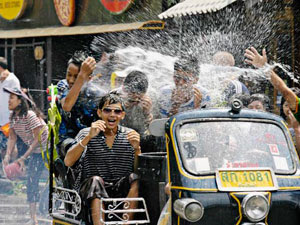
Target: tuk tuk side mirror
<point>157,127</point>
<point>236,106</point>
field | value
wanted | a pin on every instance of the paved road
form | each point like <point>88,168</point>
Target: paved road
<point>14,209</point>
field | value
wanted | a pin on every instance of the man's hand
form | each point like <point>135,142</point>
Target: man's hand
<point>146,104</point>
<point>197,98</point>
<point>177,99</point>
<point>96,127</point>
<point>254,58</point>
<point>134,139</point>
<point>87,67</point>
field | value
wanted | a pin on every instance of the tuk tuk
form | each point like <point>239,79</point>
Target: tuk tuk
<point>230,166</point>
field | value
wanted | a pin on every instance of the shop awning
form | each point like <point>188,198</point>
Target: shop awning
<point>77,30</point>
<point>190,7</point>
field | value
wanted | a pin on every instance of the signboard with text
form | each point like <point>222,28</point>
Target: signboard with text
<point>116,6</point>
<point>12,9</point>
<point>65,10</point>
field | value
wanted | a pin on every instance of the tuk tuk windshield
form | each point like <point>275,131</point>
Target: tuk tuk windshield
<point>207,146</point>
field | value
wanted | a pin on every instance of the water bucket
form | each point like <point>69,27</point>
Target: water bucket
<point>14,171</point>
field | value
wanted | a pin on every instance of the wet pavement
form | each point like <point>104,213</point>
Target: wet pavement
<point>14,209</point>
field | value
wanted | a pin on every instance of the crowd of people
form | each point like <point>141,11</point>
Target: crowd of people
<point>108,127</point>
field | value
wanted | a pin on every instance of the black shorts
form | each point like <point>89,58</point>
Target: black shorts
<point>96,187</point>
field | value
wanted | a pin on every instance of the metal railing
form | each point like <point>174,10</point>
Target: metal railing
<point>66,204</point>
<point>117,211</point>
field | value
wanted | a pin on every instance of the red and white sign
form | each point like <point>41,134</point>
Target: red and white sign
<point>116,6</point>
<point>274,149</point>
<point>65,10</point>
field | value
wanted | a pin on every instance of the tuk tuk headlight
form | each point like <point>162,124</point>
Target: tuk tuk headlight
<point>189,209</point>
<point>255,207</point>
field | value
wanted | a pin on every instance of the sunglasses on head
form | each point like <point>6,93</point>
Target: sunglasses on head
<point>116,111</point>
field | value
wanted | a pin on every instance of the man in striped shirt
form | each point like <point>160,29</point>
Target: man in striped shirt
<point>106,154</point>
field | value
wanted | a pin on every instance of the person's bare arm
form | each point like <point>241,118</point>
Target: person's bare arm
<point>86,69</point>
<point>296,126</point>
<point>297,136</point>
<point>197,98</point>
<point>177,99</point>
<point>286,92</point>
<point>146,104</point>
<point>258,61</point>
<point>134,139</point>
<point>36,132</point>
<point>75,152</point>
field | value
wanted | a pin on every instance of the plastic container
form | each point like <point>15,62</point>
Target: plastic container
<point>14,171</point>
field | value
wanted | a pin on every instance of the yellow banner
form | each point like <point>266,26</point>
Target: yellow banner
<point>12,9</point>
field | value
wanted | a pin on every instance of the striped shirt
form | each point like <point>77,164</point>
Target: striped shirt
<point>24,126</point>
<point>99,160</point>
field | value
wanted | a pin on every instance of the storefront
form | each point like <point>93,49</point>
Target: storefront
<point>38,37</point>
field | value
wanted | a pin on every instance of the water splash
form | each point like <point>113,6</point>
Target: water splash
<point>231,29</point>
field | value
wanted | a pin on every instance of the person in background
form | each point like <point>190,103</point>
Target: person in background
<point>255,59</point>
<point>107,155</point>
<point>206,100</point>
<point>76,110</point>
<point>233,86</point>
<point>292,123</point>
<point>138,105</point>
<point>259,102</point>
<point>7,80</point>
<point>184,95</point>
<point>244,98</point>
<point>26,122</point>
<point>117,78</point>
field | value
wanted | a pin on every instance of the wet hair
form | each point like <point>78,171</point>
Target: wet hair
<point>297,92</point>
<point>223,58</point>
<point>78,58</point>
<point>261,98</point>
<point>3,63</point>
<point>188,65</point>
<point>111,98</point>
<point>100,45</point>
<point>136,82</point>
<point>25,106</point>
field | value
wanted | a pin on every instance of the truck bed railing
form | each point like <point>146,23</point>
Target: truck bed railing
<point>66,203</point>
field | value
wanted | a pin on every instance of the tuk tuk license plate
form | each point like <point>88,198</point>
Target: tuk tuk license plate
<point>246,180</point>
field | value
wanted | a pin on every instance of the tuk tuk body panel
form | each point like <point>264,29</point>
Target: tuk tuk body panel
<point>225,207</point>
<point>216,206</point>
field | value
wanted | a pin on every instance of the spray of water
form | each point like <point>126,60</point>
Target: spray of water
<point>232,29</point>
